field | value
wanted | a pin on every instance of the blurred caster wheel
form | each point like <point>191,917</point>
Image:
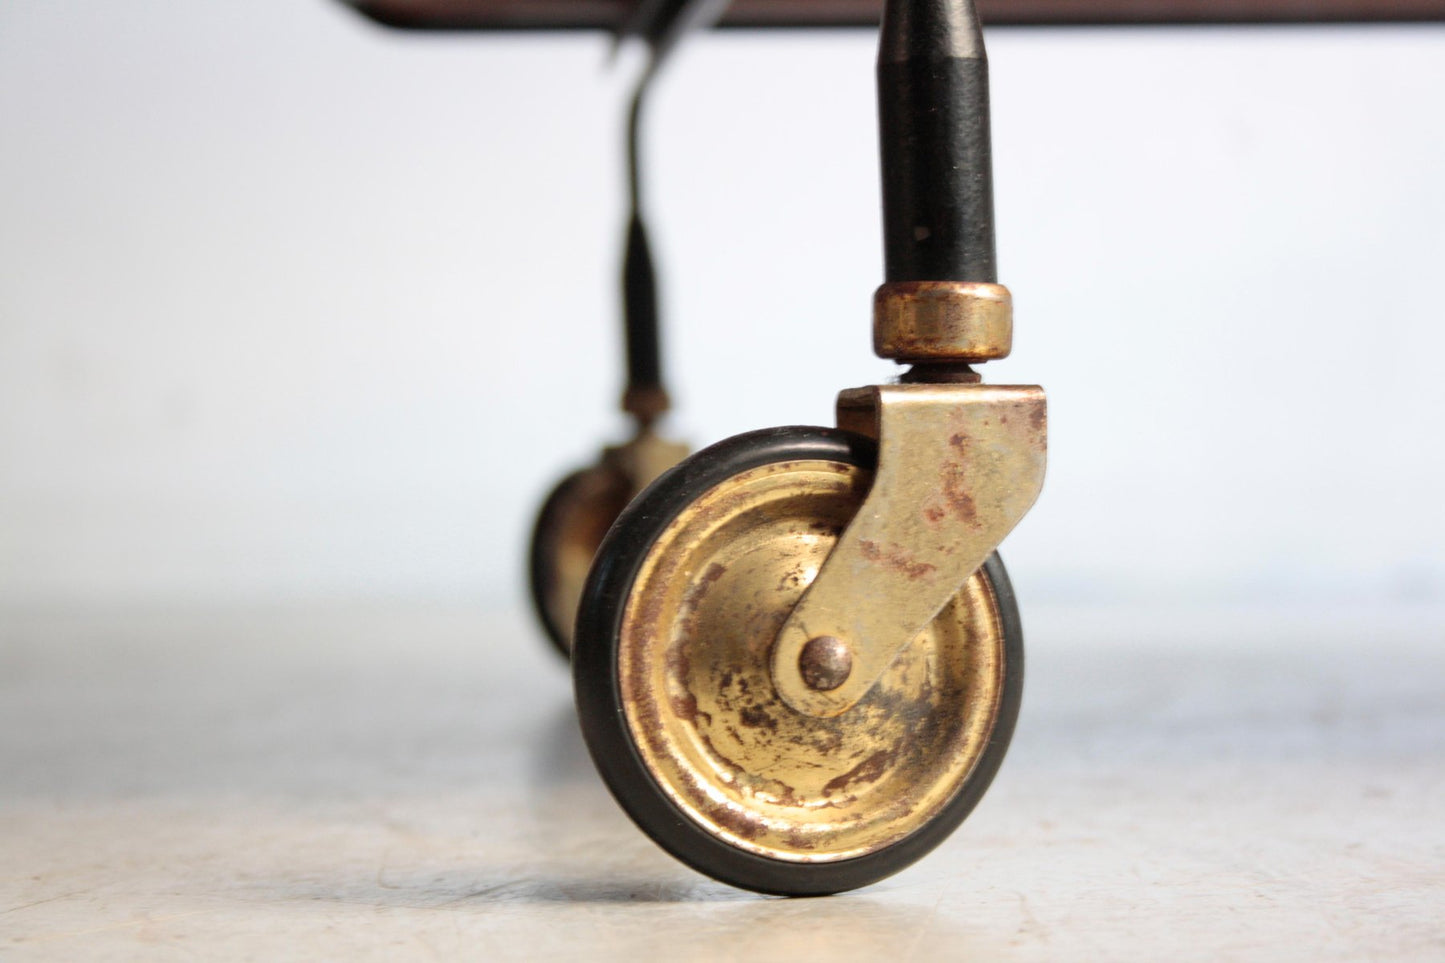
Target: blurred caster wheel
<point>677,704</point>
<point>571,525</point>
<point>575,518</point>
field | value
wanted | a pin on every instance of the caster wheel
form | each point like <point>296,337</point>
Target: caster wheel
<point>677,703</point>
<point>571,525</point>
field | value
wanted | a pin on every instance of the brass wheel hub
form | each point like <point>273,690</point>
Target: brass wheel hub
<point>693,662</point>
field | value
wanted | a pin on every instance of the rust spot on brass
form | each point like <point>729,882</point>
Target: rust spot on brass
<point>825,662</point>
<point>955,483</point>
<point>955,492</point>
<point>896,559</point>
<point>869,770</point>
<point>686,707</point>
<point>754,717</point>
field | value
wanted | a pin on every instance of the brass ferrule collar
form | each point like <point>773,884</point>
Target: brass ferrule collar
<point>925,321</point>
<point>646,403</point>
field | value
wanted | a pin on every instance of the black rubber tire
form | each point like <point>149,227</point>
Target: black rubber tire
<point>598,692</point>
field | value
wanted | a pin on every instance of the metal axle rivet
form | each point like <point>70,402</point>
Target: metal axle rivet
<point>825,663</point>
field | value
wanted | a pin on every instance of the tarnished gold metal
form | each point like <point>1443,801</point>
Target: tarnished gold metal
<point>698,696</point>
<point>958,466</point>
<point>584,509</point>
<point>921,321</point>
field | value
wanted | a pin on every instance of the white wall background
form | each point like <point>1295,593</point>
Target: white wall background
<point>293,307</point>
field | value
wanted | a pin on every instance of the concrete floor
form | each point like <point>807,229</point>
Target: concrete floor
<point>399,783</point>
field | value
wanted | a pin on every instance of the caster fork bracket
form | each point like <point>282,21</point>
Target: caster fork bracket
<point>958,466</point>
